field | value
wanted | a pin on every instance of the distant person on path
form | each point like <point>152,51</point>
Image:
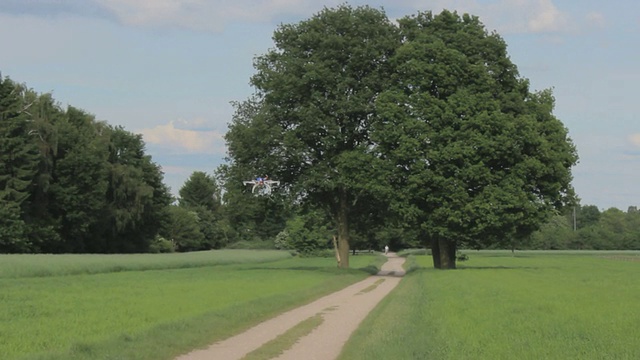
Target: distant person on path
<point>386,249</point>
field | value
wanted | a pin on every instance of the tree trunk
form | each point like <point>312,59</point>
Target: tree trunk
<point>335,248</point>
<point>443,253</point>
<point>343,230</point>
<point>435,253</point>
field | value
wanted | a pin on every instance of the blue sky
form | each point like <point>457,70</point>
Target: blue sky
<point>168,69</point>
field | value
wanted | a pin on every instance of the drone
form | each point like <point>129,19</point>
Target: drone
<point>261,185</point>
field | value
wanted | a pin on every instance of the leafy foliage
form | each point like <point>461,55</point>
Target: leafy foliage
<point>480,157</point>
<point>309,123</point>
<point>71,184</point>
<point>183,229</point>
<point>18,165</point>
<point>612,229</point>
<point>201,195</point>
<point>200,190</point>
<point>426,128</point>
<point>306,234</point>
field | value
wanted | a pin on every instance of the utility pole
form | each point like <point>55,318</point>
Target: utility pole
<point>574,219</point>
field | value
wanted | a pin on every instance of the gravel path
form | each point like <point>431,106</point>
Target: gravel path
<point>342,312</point>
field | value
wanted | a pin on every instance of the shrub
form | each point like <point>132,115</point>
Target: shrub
<point>161,245</point>
<point>252,245</point>
<point>462,257</point>
<point>305,234</point>
<point>407,252</point>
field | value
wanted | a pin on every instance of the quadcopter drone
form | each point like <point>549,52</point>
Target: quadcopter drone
<point>261,186</point>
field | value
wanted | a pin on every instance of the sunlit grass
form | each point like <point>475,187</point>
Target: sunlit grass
<point>39,265</point>
<point>534,306</point>
<point>155,314</point>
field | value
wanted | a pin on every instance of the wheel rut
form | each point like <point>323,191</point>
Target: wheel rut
<point>342,313</point>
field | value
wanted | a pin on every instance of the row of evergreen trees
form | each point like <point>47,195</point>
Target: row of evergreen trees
<point>69,183</point>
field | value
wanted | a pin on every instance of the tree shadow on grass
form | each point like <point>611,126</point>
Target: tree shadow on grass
<point>368,269</point>
<point>498,268</point>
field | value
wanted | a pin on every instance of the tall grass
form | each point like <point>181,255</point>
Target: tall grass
<point>154,314</point>
<point>534,306</point>
<point>39,265</point>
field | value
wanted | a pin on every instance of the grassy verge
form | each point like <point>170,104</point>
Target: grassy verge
<point>42,265</point>
<point>155,314</point>
<point>533,306</point>
<point>285,341</point>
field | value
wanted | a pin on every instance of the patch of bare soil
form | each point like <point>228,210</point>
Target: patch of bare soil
<point>342,312</point>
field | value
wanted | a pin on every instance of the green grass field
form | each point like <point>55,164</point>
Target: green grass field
<point>38,265</point>
<point>77,307</point>
<point>497,306</point>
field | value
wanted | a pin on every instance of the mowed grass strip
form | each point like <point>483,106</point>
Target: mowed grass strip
<point>279,345</point>
<point>41,265</point>
<point>155,314</point>
<point>503,307</point>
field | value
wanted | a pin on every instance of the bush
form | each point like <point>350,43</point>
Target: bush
<point>252,245</point>
<point>324,253</point>
<point>161,245</point>
<point>282,241</point>
<point>411,264</point>
<point>306,234</point>
<point>407,252</point>
<point>462,257</point>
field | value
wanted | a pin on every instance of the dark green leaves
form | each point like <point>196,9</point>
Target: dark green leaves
<point>427,124</point>
<point>71,184</point>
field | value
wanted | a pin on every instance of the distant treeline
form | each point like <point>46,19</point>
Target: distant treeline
<point>588,228</point>
<point>69,183</point>
<point>72,184</point>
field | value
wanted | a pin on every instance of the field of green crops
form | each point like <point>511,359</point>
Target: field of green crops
<point>498,306</point>
<point>150,306</point>
<point>16,266</point>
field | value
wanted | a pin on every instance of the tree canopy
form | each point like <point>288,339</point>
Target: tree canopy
<point>69,183</point>
<point>415,132</point>
<point>484,157</point>
<point>314,108</point>
<point>426,124</point>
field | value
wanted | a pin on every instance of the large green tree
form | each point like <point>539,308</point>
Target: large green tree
<point>312,115</point>
<point>71,192</point>
<point>71,184</point>
<point>18,166</point>
<point>136,197</point>
<point>200,189</point>
<point>428,122</point>
<point>201,193</point>
<point>482,158</point>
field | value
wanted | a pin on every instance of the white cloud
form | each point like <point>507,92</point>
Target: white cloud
<point>522,16</point>
<point>183,13</point>
<point>506,16</point>
<point>210,15</point>
<point>184,140</point>
<point>546,17</point>
<point>196,124</point>
<point>596,19</point>
<point>635,139</point>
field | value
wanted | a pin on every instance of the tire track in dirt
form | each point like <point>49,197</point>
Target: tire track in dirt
<point>343,311</point>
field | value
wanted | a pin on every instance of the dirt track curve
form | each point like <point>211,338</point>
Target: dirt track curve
<point>342,312</point>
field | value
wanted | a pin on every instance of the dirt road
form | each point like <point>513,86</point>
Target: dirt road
<point>342,312</point>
